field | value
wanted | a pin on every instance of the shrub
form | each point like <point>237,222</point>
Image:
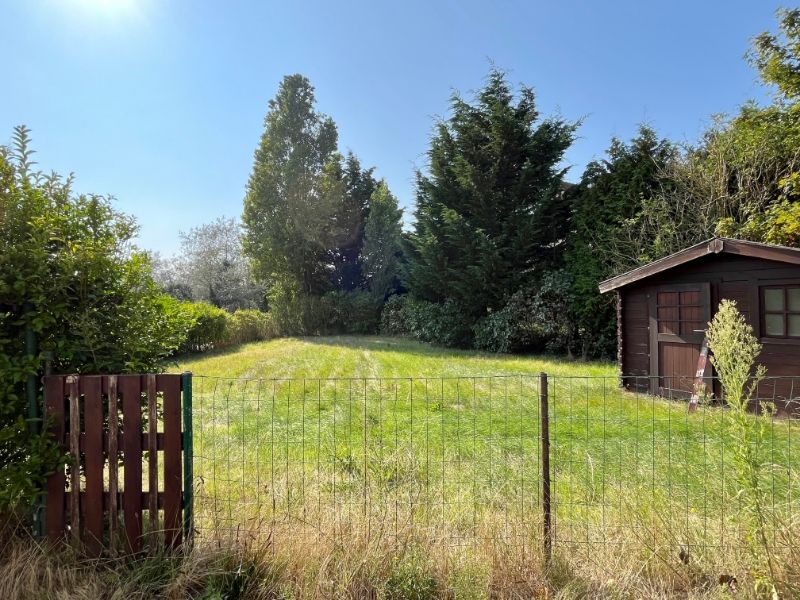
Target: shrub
<point>208,328</point>
<point>535,319</point>
<point>496,333</point>
<point>69,275</point>
<point>249,325</point>
<point>351,312</point>
<point>335,312</point>
<point>443,324</point>
<point>394,320</point>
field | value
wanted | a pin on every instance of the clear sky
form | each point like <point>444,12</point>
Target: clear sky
<point>161,102</point>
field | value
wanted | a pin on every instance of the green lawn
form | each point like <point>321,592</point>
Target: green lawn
<point>374,356</point>
<point>327,434</point>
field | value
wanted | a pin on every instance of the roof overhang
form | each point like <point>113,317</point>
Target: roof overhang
<point>717,245</point>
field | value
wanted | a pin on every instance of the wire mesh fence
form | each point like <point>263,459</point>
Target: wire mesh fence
<point>459,461</point>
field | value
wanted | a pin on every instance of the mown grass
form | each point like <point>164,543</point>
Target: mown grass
<point>323,439</point>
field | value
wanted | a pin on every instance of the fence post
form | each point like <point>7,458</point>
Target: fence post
<point>545,433</point>
<point>188,459</point>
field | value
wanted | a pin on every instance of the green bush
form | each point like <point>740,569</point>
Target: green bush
<point>332,313</point>
<point>68,274</point>
<point>496,332</point>
<point>535,319</point>
<point>393,316</point>
<point>208,329</point>
<point>354,312</point>
<point>410,578</point>
<point>443,324</point>
<point>249,325</point>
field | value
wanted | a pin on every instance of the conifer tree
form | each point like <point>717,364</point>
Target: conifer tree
<point>610,193</point>
<point>491,214</point>
<point>382,235</point>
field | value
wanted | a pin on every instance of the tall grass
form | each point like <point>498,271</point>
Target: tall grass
<point>361,487</point>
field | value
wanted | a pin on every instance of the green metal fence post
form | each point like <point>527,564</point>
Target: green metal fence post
<point>188,459</point>
<point>34,418</point>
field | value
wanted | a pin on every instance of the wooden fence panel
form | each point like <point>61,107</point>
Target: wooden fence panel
<point>84,414</point>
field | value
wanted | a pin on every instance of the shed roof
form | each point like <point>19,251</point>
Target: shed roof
<point>715,245</point>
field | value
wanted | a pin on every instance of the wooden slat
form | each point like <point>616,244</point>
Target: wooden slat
<point>171,386</point>
<point>94,462</point>
<point>113,473</point>
<point>54,407</point>
<point>75,452</point>
<point>152,456</point>
<point>130,386</point>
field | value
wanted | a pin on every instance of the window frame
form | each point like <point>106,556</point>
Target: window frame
<point>785,313</point>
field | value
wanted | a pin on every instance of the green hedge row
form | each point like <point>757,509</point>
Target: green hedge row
<point>211,327</point>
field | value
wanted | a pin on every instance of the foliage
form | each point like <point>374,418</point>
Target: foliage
<point>393,316</point>
<point>410,578</point>
<point>291,199</point>
<point>611,192</point>
<point>210,267</point>
<point>352,312</point>
<point>306,217</point>
<point>534,319</point>
<point>778,224</point>
<point>208,328</point>
<point>345,256</point>
<point>430,322</point>
<point>382,237</point>
<point>333,312</point>
<point>249,325</point>
<point>69,273</point>
<point>490,211</point>
<point>735,351</point>
<point>777,57</point>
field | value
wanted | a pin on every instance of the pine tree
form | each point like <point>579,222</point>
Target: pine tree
<point>491,214</point>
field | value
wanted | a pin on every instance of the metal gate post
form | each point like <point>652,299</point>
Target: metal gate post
<point>545,433</point>
<point>188,459</point>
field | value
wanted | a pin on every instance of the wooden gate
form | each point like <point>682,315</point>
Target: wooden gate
<point>125,441</point>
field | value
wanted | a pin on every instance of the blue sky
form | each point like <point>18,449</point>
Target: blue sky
<point>161,102</point>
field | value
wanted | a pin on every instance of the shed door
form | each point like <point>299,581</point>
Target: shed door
<point>682,313</point>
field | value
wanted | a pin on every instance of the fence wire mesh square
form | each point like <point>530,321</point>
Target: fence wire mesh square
<point>458,461</point>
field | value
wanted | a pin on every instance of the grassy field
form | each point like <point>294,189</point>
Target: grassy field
<point>373,356</point>
<point>320,442</point>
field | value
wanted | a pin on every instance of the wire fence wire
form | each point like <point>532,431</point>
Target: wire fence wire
<point>458,461</point>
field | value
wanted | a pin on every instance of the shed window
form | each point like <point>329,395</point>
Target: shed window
<point>680,312</point>
<point>780,311</point>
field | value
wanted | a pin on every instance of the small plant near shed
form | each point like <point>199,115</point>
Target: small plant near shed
<point>735,350</point>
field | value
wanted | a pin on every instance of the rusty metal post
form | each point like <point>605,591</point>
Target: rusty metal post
<point>545,434</point>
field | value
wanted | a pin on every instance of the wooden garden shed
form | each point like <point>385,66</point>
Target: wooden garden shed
<point>663,309</point>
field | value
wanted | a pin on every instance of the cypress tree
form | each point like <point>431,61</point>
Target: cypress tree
<point>491,215</point>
